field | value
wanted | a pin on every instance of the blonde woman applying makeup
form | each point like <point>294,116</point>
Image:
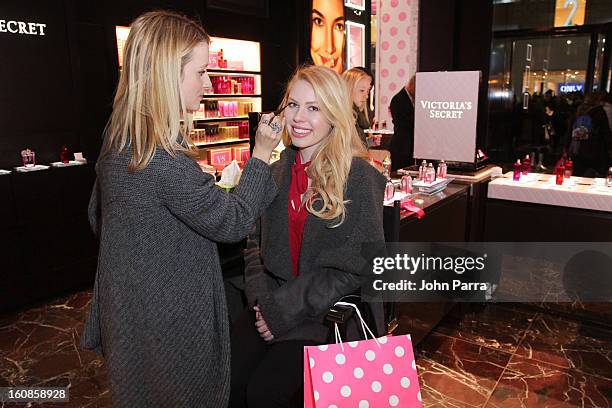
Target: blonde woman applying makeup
<point>158,313</point>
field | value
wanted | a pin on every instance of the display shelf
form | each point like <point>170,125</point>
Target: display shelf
<point>224,119</point>
<point>230,96</point>
<point>222,142</point>
<point>231,72</point>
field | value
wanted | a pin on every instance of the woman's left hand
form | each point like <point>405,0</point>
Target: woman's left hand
<point>262,326</point>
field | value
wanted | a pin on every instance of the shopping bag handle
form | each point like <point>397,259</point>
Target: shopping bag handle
<point>364,326</point>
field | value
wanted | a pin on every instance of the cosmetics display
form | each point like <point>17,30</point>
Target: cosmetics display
<point>555,190</point>
<point>233,85</point>
<point>220,124</point>
<point>218,133</point>
<point>213,109</point>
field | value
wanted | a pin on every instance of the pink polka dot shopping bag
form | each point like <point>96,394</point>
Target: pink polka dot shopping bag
<point>373,373</point>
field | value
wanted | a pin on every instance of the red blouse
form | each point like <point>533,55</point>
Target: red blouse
<point>297,212</point>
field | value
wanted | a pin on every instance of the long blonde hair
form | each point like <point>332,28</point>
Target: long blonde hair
<point>331,164</point>
<point>352,78</point>
<point>148,104</point>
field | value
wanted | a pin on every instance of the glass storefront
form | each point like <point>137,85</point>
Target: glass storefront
<point>540,74</point>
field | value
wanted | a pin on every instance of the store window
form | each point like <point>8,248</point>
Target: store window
<point>541,14</point>
<point>529,79</point>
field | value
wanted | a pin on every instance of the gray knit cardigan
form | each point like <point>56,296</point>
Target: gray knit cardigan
<point>158,313</point>
<point>331,263</point>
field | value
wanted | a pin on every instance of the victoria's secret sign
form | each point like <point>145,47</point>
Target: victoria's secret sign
<point>22,27</point>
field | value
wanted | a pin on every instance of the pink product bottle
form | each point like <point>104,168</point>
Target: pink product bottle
<point>64,155</point>
<point>569,168</point>
<point>442,169</point>
<point>560,174</point>
<point>422,170</point>
<point>243,130</point>
<point>223,111</point>
<point>217,84</point>
<point>389,190</point>
<point>430,174</point>
<point>406,184</point>
<point>517,171</point>
<point>526,165</point>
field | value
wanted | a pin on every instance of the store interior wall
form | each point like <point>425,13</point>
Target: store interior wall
<point>57,90</point>
<point>60,87</point>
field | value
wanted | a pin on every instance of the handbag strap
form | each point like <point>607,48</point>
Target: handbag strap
<point>364,326</point>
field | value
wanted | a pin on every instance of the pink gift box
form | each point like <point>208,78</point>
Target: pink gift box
<point>219,157</point>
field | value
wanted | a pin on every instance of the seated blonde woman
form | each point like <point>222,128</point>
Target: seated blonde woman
<point>306,253</point>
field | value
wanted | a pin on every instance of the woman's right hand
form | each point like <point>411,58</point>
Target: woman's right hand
<point>268,136</point>
<point>261,325</point>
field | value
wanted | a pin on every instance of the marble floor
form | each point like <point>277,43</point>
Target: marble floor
<point>493,356</point>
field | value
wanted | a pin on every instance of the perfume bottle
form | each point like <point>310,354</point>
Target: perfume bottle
<point>64,155</point>
<point>28,158</point>
<point>422,170</point>
<point>430,174</point>
<point>569,168</point>
<point>560,174</point>
<point>442,169</point>
<point>389,190</point>
<point>222,63</point>
<point>406,184</point>
<point>609,178</point>
<point>526,165</point>
<point>517,170</point>
<point>387,167</point>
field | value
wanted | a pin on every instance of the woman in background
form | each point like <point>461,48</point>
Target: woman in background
<point>359,84</point>
<point>307,251</point>
<point>158,313</point>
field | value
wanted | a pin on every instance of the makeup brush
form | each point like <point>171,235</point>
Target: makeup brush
<point>278,112</point>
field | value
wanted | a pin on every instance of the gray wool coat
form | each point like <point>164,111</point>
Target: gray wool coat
<point>158,313</point>
<point>331,263</point>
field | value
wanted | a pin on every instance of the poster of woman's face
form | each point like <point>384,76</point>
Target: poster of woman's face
<point>327,36</point>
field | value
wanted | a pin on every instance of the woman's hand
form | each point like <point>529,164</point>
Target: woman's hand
<point>261,325</point>
<point>268,135</point>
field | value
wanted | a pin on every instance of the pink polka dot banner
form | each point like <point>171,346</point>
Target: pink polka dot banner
<point>362,374</point>
<point>396,59</point>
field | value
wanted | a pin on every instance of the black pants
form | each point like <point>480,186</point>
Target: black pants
<point>265,375</point>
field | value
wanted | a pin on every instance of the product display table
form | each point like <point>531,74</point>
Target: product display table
<point>576,192</point>
<point>536,209</point>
